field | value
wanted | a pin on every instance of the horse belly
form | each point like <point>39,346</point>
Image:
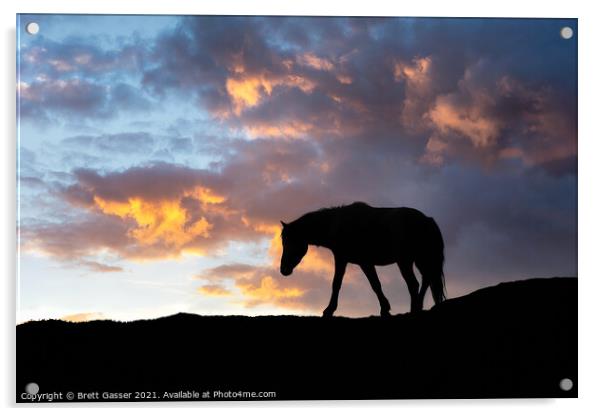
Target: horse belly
<point>374,252</point>
<point>382,238</point>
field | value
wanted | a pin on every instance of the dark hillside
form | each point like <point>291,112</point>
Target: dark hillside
<point>515,339</point>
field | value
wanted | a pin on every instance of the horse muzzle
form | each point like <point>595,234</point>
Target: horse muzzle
<point>286,272</point>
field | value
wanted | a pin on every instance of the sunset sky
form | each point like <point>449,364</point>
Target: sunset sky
<point>157,155</point>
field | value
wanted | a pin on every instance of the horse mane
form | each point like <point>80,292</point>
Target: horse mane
<point>338,207</point>
<point>329,210</point>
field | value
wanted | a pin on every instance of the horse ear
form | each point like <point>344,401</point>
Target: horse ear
<point>283,224</point>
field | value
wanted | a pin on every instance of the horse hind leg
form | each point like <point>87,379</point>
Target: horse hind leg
<point>429,273</point>
<point>370,272</point>
<point>423,288</point>
<point>407,271</point>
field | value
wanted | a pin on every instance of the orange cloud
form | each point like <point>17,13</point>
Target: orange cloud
<point>154,212</point>
<point>417,74</point>
<point>469,121</point>
<point>214,290</point>
<point>274,230</point>
<point>316,260</point>
<point>164,221</point>
<point>308,289</point>
<point>435,147</point>
<point>344,79</point>
<point>268,291</point>
<point>289,128</point>
<point>83,317</point>
<point>263,284</point>
<point>324,64</point>
<point>249,91</point>
<point>419,90</point>
<point>314,61</point>
<point>478,114</point>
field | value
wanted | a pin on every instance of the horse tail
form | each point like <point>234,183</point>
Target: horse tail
<point>434,257</point>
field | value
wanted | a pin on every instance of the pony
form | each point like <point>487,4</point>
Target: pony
<point>369,237</point>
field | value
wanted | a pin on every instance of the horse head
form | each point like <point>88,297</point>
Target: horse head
<point>294,248</point>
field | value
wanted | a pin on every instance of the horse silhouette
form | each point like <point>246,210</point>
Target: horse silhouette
<point>369,237</point>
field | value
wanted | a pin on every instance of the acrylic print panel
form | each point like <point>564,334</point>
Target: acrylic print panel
<point>275,208</point>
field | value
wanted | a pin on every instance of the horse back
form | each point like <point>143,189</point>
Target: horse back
<point>377,235</point>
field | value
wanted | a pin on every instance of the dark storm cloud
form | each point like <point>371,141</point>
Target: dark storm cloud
<point>154,182</point>
<point>449,88</point>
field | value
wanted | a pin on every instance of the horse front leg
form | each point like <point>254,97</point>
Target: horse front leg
<point>337,281</point>
<point>370,272</point>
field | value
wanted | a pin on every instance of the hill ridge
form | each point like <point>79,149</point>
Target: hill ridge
<point>179,315</point>
<point>515,339</point>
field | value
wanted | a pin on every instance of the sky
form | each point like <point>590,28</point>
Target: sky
<point>158,154</point>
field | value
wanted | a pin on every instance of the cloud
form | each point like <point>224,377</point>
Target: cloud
<point>156,211</point>
<point>249,91</point>
<point>155,182</point>
<point>80,56</point>
<point>442,94</point>
<point>125,143</point>
<point>214,290</point>
<point>45,98</point>
<point>71,240</point>
<point>73,96</point>
<point>315,62</point>
<point>99,267</point>
<point>308,289</point>
<point>229,270</point>
<point>165,210</point>
<point>77,78</point>
<point>419,89</point>
<point>468,122</point>
<point>269,290</point>
<point>488,117</point>
<point>432,86</point>
<point>83,317</point>
<point>262,285</point>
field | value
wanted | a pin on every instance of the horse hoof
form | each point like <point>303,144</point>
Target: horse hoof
<point>327,314</point>
<point>385,314</point>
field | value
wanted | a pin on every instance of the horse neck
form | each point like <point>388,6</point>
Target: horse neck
<point>314,227</point>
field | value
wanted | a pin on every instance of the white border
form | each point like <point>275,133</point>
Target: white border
<point>590,200</point>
